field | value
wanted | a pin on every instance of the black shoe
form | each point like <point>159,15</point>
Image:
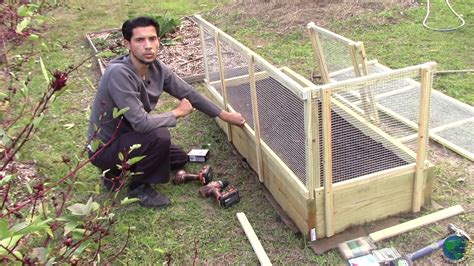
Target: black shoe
<point>149,197</point>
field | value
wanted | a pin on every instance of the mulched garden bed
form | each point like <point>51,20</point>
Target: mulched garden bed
<point>184,56</point>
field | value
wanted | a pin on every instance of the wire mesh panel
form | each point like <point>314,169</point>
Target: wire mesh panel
<point>236,76</point>
<point>337,55</point>
<point>281,120</point>
<point>461,135</point>
<point>397,103</point>
<point>361,146</point>
<point>211,57</point>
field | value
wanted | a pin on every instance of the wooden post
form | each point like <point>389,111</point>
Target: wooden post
<point>256,124</point>
<point>204,55</point>
<point>365,94</point>
<point>222,76</point>
<point>317,143</point>
<point>327,163</point>
<point>320,55</point>
<point>365,70</point>
<point>311,163</point>
<point>423,136</point>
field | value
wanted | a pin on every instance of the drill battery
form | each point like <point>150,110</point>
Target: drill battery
<point>229,197</point>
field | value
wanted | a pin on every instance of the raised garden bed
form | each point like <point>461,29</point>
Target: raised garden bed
<point>328,166</point>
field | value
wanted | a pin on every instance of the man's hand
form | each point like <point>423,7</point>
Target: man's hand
<point>232,118</point>
<point>184,108</point>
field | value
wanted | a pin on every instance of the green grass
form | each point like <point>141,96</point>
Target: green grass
<point>407,42</point>
<point>193,225</point>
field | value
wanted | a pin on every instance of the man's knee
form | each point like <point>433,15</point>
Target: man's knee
<point>161,136</point>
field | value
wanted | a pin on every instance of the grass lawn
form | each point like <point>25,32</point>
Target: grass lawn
<point>195,229</point>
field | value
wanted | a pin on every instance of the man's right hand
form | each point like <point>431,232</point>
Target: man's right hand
<point>184,108</point>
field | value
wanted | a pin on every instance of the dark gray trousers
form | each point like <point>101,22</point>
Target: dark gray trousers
<point>160,156</point>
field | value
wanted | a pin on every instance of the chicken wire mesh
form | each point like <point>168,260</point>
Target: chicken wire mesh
<point>210,57</point>
<point>336,54</point>
<point>359,145</point>
<point>237,81</point>
<point>281,121</point>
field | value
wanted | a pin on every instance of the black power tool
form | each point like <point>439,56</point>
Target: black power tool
<point>216,189</point>
<point>204,176</point>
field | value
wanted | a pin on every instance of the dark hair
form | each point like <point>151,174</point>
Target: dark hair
<point>129,25</point>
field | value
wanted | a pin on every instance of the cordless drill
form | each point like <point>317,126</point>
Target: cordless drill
<point>224,198</point>
<point>204,176</point>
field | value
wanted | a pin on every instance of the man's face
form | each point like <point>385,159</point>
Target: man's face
<point>144,44</point>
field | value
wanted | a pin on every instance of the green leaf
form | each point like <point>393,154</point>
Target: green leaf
<point>84,209</point>
<point>4,229</point>
<point>95,145</point>
<point>70,226</point>
<point>126,201</point>
<point>23,25</point>
<point>135,160</point>
<point>78,233</point>
<point>81,248</point>
<point>44,70</point>
<point>78,209</point>
<point>24,11</point>
<point>6,179</point>
<point>117,113</point>
<point>68,218</point>
<point>134,147</point>
<point>9,243</point>
<point>120,155</point>
<point>33,37</point>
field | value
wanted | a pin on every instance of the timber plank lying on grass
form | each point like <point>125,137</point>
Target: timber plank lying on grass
<point>328,166</point>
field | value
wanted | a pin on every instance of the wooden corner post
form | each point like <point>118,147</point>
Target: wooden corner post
<point>423,135</point>
<point>319,54</point>
<point>327,163</point>
<point>222,77</point>
<point>256,124</point>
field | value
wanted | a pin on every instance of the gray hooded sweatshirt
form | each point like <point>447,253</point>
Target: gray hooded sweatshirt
<point>121,87</point>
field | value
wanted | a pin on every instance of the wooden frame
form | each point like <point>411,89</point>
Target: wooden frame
<point>369,105</point>
<point>331,207</point>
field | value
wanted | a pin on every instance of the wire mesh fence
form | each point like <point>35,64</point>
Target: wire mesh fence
<point>363,132</point>
<point>360,145</point>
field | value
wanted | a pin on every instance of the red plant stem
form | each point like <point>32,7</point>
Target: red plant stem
<point>35,111</point>
<point>34,208</point>
<point>28,129</point>
<point>70,174</point>
<point>5,195</point>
